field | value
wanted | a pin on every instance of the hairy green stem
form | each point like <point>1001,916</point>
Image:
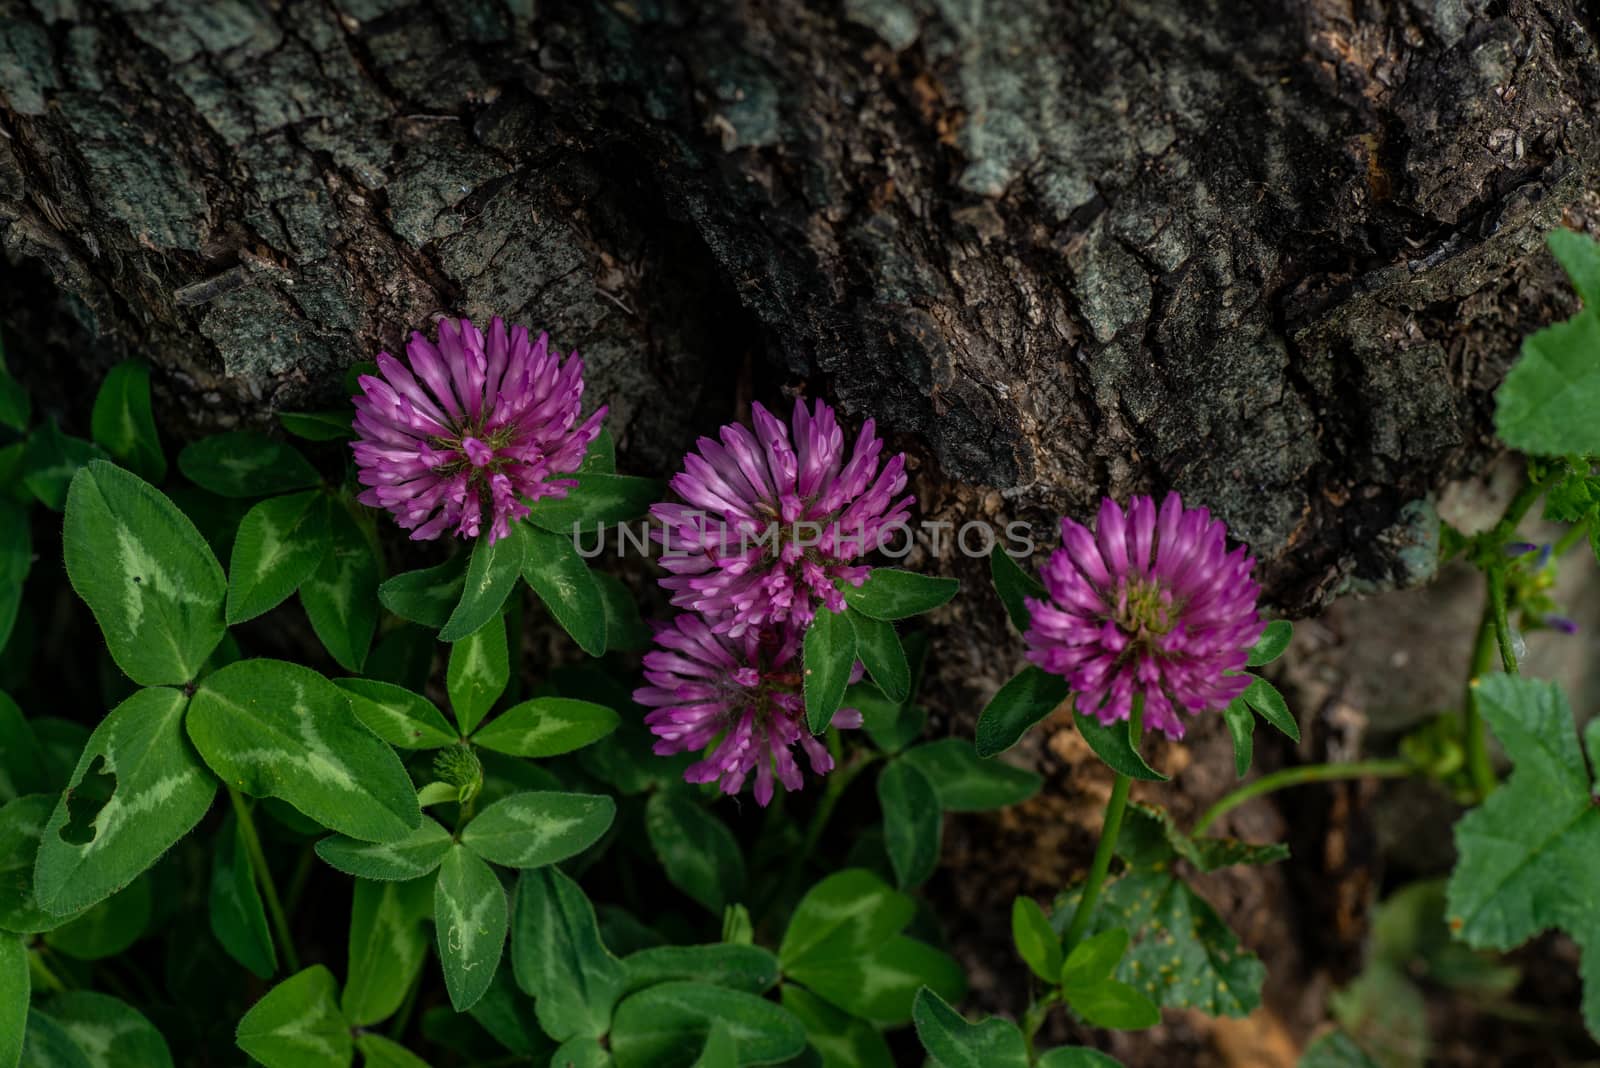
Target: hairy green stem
<point>1476,741</point>
<point>1304,773</point>
<point>1502,626</point>
<point>1101,864</point>
<point>1034,1019</point>
<point>269,890</point>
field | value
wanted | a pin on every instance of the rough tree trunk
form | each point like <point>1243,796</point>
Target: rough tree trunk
<point>1273,253</point>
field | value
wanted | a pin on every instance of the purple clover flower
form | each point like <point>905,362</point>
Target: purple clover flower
<point>737,699</point>
<point>772,519</point>
<point>1151,604</point>
<point>488,426</point>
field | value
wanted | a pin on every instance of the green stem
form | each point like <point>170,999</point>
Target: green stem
<point>269,890</point>
<point>1101,865</point>
<point>1502,626</point>
<point>1477,744</point>
<point>1304,773</point>
<point>1573,536</point>
<point>1034,1019</point>
<point>1516,510</point>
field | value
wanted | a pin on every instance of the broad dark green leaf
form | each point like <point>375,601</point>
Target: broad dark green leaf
<point>411,857</point>
<point>1111,744</point>
<point>16,560</point>
<point>666,1026</point>
<point>1037,942</point>
<point>341,596</point>
<point>388,946</point>
<point>22,761</point>
<point>582,1052</point>
<point>598,498</point>
<point>563,582</point>
<point>427,596</point>
<point>380,1052</point>
<point>1264,697</point>
<point>890,593</point>
<point>880,985</point>
<point>298,1024</point>
<point>1014,586</point>
<point>15,987</point>
<point>160,791</point>
<point>108,928</point>
<point>478,672</point>
<point>238,918</point>
<point>148,576</point>
<point>508,1014</point>
<point>123,423</point>
<point>47,1045</point>
<point>1546,405</point>
<point>699,853</point>
<point>319,426</point>
<point>109,1032</point>
<point>470,920</point>
<point>1029,697</point>
<point>275,729</point>
<point>546,727</point>
<point>625,629</point>
<point>559,958</point>
<point>244,463</point>
<point>492,572</point>
<point>21,825</point>
<point>848,914</point>
<point>880,651</point>
<point>280,543</point>
<point>913,822</point>
<point>965,781</point>
<point>828,655</point>
<point>530,830</point>
<point>841,1040</point>
<point>51,460</point>
<point>955,1043</point>
<point>397,715</point>
<point>1273,641</point>
<point>748,968</point>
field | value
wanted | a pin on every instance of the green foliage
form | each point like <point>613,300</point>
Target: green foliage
<point>341,596</point>
<point>492,572</point>
<point>16,560</point>
<point>530,830</point>
<point>108,1032</point>
<point>51,460</point>
<point>1529,856</point>
<point>890,593</point>
<point>827,657</point>
<point>15,986</point>
<point>124,425</point>
<point>411,857</point>
<point>280,544</point>
<point>1037,942</point>
<point>470,920</point>
<point>967,783</point>
<point>955,1043</point>
<point>428,596</point>
<point>881,653</point>
<point>840,1040</point>
<point>298,1024</point>
<point>599,497</point>
<point>1014,587</point>
<point>697,851</point>
<point>388,946</point>
<point>238,918</point>
<point>562,581</point>
<point>738,967</point>
<point>244,463</point>
<point>397,715</point>
<point>1029,697</point>
<point>668,1025</point>
<point>559,958</point>
<point>912,822</point>
<point>546,727</point>
<point>479,670</point>
<point>1273,641</point>
<point>1113,744</point>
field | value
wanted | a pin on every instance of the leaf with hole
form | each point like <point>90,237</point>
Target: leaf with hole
<point>123,424</point>
<point>145,572</point>
<point>245,463</point>
<point>470,920</point>
<point>280,544</point>
<point>275,729</point>
<point>530,830</point>
<point>136,790</point>
<point>297,1024</point>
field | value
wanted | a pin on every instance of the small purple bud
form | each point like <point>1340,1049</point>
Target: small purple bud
<point>1561,623</point>
<point>1544,557</point>
<point>1520,548</point>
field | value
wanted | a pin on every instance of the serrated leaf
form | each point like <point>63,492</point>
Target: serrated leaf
<point>280,543</point>
<point>891,593</point>
<point>1037,942</point>
<point>21,825</point>
<point>1241,728</point>
<point>599,497</point>
<point>427,596</point>
<point>913,823</point>
<point>880,651</point>
<point>666,1026</point>
<point>397,715</point>
<point>1150,839</point>
<point>698,852</point>
<point>1264,697</point>
<point>841,1040</point>
<point>380,1052</point>
<point>562,580</point>
<point>341,595</point>
<point>1030,696</point>
<point>828,655</point>
<point>237,916</point>
<point>1273,641</point>
<point>1093,959</point>
<point>530,830</point>
<point>319,426</point>
<point>51,460</point>
<point>1112,744</point>
<point>1579,256</point>
<point>748,968</point>
<point>954,1043</point>
<point>492,572</point>
<point>1529,856</point>
<point>1546,405</point>
<point>15,988</point>
<point>849,913</point>
<point>479,670</point>
<point>1014,587</point>
<point>161,791</point>
<point>559,958</point>
<point>411,857</point>
<point>244,463</point>
<point>275,729</point>
<point>388,945</point>
<point>298,1024</point>
<point>965,782</point>
<point>123,423</point>
<point>109,1032</point>
<point>146,574</point>
<point>470,922</point>
<point>546,727</point>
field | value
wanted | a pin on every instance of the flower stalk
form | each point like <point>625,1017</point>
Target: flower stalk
<point>1101,865</point>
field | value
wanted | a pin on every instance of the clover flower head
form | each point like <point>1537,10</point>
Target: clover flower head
<point>737,700</point>
<point>771,518</point>
<point>1150,603</point>
<point>471,430</point>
